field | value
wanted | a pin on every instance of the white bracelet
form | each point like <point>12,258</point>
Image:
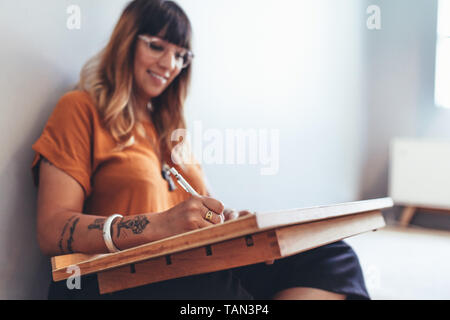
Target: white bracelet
<point>107,233</point>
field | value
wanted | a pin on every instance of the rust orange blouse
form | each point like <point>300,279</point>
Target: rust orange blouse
<point>127,182</point>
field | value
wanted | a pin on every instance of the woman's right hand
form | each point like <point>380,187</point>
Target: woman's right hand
<point>190,215</point>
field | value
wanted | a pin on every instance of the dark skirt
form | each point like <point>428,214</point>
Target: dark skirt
<point>333,268</point>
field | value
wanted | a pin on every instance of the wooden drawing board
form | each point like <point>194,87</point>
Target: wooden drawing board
<point>248,240</point>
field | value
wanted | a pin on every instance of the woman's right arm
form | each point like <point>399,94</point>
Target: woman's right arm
<point>62,228</point>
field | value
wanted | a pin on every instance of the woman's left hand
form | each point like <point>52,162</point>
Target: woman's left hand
<point>232,214</point>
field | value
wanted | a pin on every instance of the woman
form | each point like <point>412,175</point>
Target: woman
<point>104,151</point>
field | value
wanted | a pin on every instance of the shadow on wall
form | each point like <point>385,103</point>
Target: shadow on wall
<point>25,272</point>
<point>21,249</point>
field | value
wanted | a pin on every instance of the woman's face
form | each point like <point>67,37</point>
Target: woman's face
<point>154,72</point>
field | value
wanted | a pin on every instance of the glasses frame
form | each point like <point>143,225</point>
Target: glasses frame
<point>148,40</point>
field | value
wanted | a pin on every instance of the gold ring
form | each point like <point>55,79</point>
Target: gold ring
<point>209,216</point>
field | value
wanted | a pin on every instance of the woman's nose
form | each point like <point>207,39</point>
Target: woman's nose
<point>168,60</point>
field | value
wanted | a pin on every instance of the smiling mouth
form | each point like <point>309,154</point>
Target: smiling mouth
<point>157,76</point>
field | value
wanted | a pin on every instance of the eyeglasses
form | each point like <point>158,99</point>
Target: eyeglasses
<point>158,48</point>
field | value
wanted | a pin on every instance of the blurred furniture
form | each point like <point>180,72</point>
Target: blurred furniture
<point>419,176</point>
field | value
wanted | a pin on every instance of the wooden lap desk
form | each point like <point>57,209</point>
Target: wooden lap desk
<point>249,240</point>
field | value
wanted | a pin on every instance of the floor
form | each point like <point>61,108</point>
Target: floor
<point>406,264</point>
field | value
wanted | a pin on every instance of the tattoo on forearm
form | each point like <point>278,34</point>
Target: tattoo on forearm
<point>137,225</point>
<point>98,224</point>
<point>70,240</point>
<point>60,243</point>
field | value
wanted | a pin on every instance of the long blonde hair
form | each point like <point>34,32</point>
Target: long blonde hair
<point>108,76</point>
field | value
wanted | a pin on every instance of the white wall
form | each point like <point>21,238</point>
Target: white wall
<point>294,66</point>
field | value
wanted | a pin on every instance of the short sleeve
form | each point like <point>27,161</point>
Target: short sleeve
<point>66,140</point>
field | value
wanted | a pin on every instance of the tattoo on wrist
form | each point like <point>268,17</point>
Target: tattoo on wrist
<point>137,225</point>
